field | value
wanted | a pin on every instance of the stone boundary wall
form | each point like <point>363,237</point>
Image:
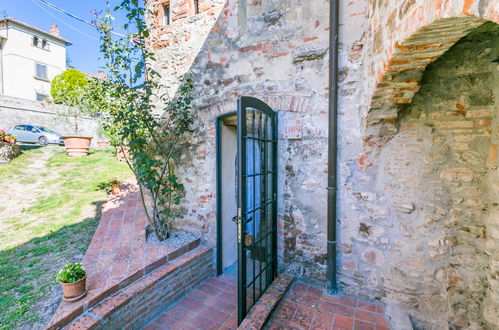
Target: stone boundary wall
<point>14,111</point>
<point>134,306</point>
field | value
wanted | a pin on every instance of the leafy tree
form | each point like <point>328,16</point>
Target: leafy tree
<point>68,89</point>
<point>130,97</point>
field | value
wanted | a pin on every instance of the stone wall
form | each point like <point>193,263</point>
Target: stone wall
<point>427,231</point>
<point>416,194</point>
<point>452,129</point>
<point>276,52</point>
<point>15,111</point>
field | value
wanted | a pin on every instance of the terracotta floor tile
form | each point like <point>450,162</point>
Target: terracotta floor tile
<point>322,321</point>
<point>362,325</point>
<point>192,304</point>
<point>303,317</point>
<point>370,317</point>
<point>334,308</point>
<point>367,306</point>
<point>342,323</point>
<point>231,322</point>
<point>222,305</point>
<point>349,301</point>
<point>315,292</point>
<point>215,314</point>
<point>207,288</point>
<point>202,322</point>
<point>379,327</point>
<point>300,288</point>
<point>285,312</point>
<point>276,325</point>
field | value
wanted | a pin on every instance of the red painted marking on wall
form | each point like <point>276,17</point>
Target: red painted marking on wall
<point>467,7</point>
<point>278,54</point>
<point>310,39</point>
<point>380,74</point>
<point>438,4</point>
<point>362,13</point>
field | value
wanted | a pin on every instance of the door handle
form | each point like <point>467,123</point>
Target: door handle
<point>235,218</point>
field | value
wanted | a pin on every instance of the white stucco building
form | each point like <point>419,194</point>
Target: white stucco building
<point>29,59</point>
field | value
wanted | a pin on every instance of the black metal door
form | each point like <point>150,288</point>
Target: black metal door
<point>257,201</point>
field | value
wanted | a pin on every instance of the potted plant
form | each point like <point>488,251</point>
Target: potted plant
<point>68,89</point>
<point>10,138</point>
<point>7,138</point>
<point>115,186</point>
<point>73,278</point>
<point>103,142</point>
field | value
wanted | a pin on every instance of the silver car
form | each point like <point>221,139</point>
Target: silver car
<point>35,134</point>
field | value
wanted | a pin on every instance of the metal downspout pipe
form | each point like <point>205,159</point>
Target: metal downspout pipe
<point>332,189</point>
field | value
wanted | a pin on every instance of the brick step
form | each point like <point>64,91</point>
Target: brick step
<point>68,312</point>
<point>136,304</point>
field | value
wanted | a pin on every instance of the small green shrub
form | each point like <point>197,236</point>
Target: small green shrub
<point>71,273</point>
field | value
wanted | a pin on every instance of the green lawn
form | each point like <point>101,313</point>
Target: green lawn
<point>50,210</point>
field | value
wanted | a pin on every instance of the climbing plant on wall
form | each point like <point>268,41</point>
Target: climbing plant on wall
<point>141,118</point>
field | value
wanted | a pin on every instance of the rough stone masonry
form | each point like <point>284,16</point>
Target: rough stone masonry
<point>418,215</point>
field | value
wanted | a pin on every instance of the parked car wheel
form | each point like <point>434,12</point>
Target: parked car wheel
<point>43,141</point>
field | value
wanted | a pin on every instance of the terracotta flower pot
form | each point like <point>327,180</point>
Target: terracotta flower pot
<point>9,139</point>
<point>115,190</point>
<point>75,291</point>
<point>77,146</point>
<point>102,144</point>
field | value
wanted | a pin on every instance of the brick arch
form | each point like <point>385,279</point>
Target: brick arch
<point>428,29</point>
<point>295,102</point>
<point>404,71</point>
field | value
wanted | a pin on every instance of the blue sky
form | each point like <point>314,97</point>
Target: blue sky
<point>84,53</point>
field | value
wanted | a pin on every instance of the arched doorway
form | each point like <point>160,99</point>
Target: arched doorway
<point>247,198</point>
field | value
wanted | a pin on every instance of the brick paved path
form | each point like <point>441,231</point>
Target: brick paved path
<point>213,305</point>
<point>118,253</point>
<point>307,307</point>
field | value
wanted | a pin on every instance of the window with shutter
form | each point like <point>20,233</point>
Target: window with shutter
<point>41,97</point>
<point>41,71</point>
